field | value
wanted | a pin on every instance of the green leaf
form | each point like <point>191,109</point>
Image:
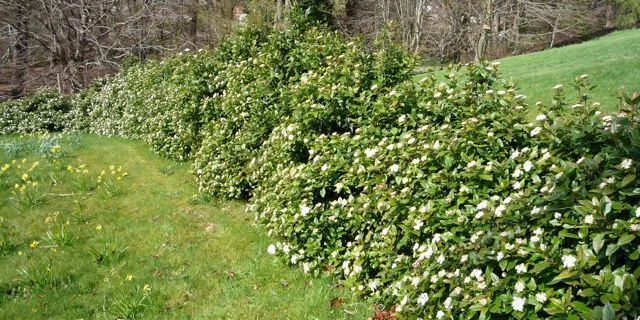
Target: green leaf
<point>323,192</point>
<point>626,238</point>
<point>611,249</point>
<point>598,242</point>
<point>628,179</point>
<point>539,267</point>
<point>589,292</point>
<point>608,313</point>
<point>564,275</point>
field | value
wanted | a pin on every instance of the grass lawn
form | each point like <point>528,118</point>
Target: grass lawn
<point>137,245</point>
<point>611,62</point>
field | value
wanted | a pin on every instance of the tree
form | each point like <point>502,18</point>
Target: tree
<point>69,42</point>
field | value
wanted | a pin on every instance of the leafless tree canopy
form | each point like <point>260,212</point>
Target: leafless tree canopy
<point>67,43</point>
<point>450,30</point>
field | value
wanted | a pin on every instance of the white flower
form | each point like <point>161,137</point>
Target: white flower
<point>500,256</point>
<point>519,286</point>
<point>527,166</point>
<point>440,314</point>
<point>285,249</point>
<point>440,259</point>
<point>482,205</point>
<point>324,167</point>
<point>417,224</point>
<point>518,304</point>
<point>557,87</point>
<point>557,215</point>
<point>535,210</point>
<point>271,249</point>
<point>394,168</point>
<point>535,239</point>
<point>436,145</point>
<point>471,164</point>
<point>294,259</point>
<point>447,303</point>
<point>477,273</point>
<point>304,210</point>
<point>568,261</point>
<point>517,173</point>
<point>541,297</point>
<point>516,185</point>
<point>423,298</point>
<point>638,212</point>
<point>515,154</point>
<point>541,117</point>
<point>500,210</point>
<point>521,268</point>
<point>626,163</point>
<point>588,219</point>
<point>373,285</point>
<point>339,187</point>
<point>535,131</point>
<point>370,152</point>
<point>464,258</point>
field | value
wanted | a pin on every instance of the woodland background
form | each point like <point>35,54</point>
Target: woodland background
<point>65,44</point>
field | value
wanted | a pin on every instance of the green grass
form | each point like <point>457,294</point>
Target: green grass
<point>611,62</point>
<point>149,251</point>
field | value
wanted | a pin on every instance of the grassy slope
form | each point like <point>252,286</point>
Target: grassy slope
<point>611,61</point>
<point>201,261</point>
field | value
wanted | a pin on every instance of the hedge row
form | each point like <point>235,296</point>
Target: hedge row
<point>438,199</point>
<point>44,111</point>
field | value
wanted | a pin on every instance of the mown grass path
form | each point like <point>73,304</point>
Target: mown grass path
<point>150,251</point>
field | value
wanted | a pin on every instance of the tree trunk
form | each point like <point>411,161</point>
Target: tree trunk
<point>483,40</point>
<point>608,15</point>
<point>20,52</point>
<point>193,32</point>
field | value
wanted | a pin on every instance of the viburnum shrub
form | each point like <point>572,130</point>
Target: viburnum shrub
<point>158,102</point>
<point>445,203</point>
<point>46,111</point>
<point>308,77</point>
